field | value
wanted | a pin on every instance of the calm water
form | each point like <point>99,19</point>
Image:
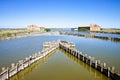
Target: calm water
<point>60,65</point>
<point>93,33</point>
<point>100,34</point>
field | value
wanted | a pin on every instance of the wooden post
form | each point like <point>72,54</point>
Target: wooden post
<point>12,65</point>
<point>99,62</point>
<point>30,59</point>
<point>108,71</point>
<point>22,64</point>
<point>113,69</point>
<point>90,60</point>
<point>78,55</point>
<point>86,58</point>
<point>96,63</point>
<point>89,57</point>
<point>8,73</point>
<point>39,53</point>
<point>17,68</point>
<point>83,58</point>
<point>104,65</point>
<point>27,60</point>
<point>101,67</point>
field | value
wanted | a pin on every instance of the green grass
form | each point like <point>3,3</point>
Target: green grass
<point>9,33</point>
<point>47,29</point>
<point>112,31</point>
<point>83,29</point>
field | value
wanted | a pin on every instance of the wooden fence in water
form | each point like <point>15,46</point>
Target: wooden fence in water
<point>96,64</point>
<point>23,64</point>
<point>66,46</point>
<point>91,36</point>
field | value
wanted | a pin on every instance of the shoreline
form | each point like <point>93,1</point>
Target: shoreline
<point>22,35</point>
<point>107,32</point>
<point>115,39</point>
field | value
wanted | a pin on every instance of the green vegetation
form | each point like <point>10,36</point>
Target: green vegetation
<point>9,33</point>
<point>47,30</point>
<point>83,29</point>
<point>112,31</point>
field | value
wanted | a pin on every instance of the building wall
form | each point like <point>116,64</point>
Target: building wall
<point>35,28</point>
<point>95,27</point>
<point>91,27</point>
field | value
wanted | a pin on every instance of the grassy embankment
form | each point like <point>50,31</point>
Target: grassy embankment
<point>14,32</point>
<point>112,31</point>
<point>9,33</point>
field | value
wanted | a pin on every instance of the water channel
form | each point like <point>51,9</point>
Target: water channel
<point>59,65</point>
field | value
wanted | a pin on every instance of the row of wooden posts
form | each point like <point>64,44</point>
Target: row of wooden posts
<point>23,64</point>
<point>66,46</point>
<point>91,36</point>
<point>96,64</point>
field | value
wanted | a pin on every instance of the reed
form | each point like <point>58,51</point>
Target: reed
<point>9,33</point>
<point>112,31</point>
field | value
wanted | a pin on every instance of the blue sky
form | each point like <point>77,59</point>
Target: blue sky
<point>59,13</point>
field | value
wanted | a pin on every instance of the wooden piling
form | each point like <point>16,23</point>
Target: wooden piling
<point>66,46</point>
<point>91,36</point>
<point>96,64</point>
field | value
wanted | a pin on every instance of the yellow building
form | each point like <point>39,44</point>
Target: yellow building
<point>35,28</point>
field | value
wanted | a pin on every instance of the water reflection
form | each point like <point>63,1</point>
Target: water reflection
<point>13,50</point>
<point>57,66</point>
<point>21,75</point>
<point>92,71</point>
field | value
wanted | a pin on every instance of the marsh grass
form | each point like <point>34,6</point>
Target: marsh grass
<point>112,31</point>
<point>9,33</point>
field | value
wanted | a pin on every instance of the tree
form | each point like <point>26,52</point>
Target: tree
<point>47,30</point>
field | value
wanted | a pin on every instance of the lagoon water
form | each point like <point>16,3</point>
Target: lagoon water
<point>59,65</point>
<point>94,33</point>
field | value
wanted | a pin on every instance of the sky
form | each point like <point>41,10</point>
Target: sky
<point>59,13</point>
